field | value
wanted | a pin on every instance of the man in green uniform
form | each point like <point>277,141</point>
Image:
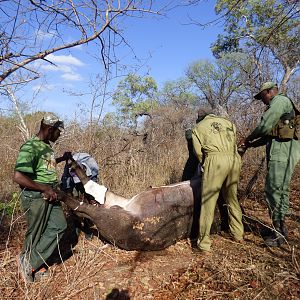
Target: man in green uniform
<point>193,168</point>
<point>283,153</point>
<point>35,172</point>
<point>214,141</point>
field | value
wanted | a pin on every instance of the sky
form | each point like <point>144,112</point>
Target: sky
<point>161,47</point>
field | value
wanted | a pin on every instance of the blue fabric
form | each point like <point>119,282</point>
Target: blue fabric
<point>90,164</point>
<point>92,169</point>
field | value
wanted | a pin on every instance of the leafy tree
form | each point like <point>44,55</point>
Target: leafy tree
<point>180,93</point>
<point>33,31</point>
<point>222,81</point>
<point>178,104</point>
<point>272,25</point>
<point>135,96</point>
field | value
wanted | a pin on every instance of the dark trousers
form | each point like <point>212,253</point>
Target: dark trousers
<point>46,225</point>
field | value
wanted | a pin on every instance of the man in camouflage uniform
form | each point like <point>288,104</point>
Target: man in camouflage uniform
<point>283,153</point>
<point>214,141</point>
<point>35,172</point>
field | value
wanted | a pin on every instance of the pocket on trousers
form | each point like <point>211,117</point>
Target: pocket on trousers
<point>278,151</point>
<point>27,197</point>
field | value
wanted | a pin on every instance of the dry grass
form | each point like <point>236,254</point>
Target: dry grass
<point>130,164</point>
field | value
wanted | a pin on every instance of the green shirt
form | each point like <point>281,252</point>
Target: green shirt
<point>36,159</point>
<point>279,105</point>
<point>214,135</point>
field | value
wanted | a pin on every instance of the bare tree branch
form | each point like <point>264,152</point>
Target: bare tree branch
<point>23,23</point>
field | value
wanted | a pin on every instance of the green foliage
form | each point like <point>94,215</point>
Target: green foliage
<point>110,120</point>
<point>179,92</point>
<point>13,205</point>
<point>135,95</point>
<point>220,82</point>
<point>272,24</point>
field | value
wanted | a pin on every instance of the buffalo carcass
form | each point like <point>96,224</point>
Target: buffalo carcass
<point>151,220</point>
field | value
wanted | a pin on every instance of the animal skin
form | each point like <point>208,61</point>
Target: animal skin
<point>151,220</point>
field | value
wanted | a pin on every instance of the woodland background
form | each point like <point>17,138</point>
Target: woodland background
<point>142,143</point>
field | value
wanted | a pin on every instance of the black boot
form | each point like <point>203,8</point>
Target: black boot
<point>283,229</point>
<point>276,238</point>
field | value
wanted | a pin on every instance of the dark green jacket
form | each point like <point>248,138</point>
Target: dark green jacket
<point>279,105</point>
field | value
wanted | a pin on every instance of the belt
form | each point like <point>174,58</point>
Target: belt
<point>277,139</point>
<point>220,153</point>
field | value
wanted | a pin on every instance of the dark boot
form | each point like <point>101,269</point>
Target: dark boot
<point>276,238</point>
<point>283,229</point>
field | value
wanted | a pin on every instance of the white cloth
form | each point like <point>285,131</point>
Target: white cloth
<point>96,190</point>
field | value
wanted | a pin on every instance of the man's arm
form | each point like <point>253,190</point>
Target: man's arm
<point>197,146</point>
<point>270,118</point>
<point>26,182</point>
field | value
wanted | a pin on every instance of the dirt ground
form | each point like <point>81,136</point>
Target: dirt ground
<point>95,270</point>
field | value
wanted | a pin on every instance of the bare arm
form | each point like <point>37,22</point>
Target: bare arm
<point>25,182</point>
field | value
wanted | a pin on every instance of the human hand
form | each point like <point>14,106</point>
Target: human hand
<point>67,155</point>
<point>242,147</point>
<point>241,150</point>
<point>50,195</point>
<point>243,143</point>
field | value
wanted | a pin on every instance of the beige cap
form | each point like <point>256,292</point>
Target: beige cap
<point>52,120</point>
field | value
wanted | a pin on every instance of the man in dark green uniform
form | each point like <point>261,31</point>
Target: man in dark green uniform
<point>214,141</point>
<point>35,172</point>
<point>283,153</point>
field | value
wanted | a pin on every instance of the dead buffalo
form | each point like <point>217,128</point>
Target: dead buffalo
<point>151,220</point>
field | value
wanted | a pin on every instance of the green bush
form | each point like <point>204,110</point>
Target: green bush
<point>11,206</point>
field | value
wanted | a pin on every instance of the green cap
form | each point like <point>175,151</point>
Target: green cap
<point>54,121</point>
<point>266,86</point>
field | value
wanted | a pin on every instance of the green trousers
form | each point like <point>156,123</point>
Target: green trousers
<point>282,160</point>
<point>221,175</point>
<point>46,225</point>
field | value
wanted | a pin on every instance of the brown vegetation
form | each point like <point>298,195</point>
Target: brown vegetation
<point>130,163</point>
